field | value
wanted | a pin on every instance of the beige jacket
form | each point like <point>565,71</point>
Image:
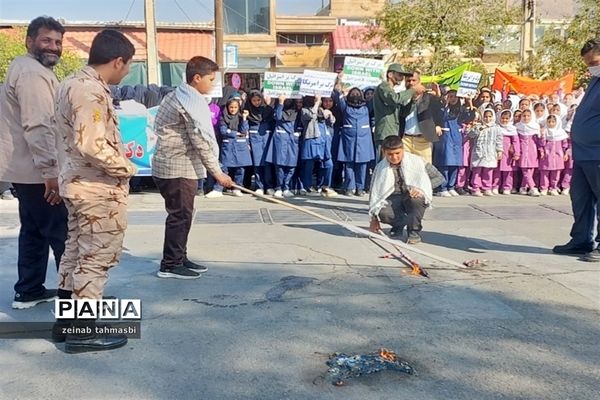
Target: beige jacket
<point>90,151</point>
<point>27,144</point>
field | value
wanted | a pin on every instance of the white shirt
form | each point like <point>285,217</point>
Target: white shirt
<point>411,127</point>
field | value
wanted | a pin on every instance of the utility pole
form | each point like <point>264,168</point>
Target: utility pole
<point>528,30</point>
<point>219,32</point>
<point>151,48</point>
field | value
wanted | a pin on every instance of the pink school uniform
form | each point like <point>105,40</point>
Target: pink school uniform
<point>509,164</point>
<point>464,173</point>
<point>529,135</point>
<point>553,146</point>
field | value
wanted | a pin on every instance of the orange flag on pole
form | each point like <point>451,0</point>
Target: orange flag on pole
<point>527,86</point>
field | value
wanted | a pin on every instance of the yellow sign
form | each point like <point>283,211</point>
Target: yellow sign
<point>309,57</point>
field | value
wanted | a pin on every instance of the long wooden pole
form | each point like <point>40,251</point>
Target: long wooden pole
<point>352,228</point>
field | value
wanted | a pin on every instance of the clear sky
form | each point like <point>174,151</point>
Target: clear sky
<point>133,10</point>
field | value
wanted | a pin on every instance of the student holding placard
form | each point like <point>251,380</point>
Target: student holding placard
<point>261,123</point>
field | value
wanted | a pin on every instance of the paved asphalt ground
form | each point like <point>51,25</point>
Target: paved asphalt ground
<point>285,290</point>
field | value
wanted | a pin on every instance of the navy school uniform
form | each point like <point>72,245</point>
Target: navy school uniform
<point>283,149</point>
<point>235,148</point>
<point>261,126</point>
<point>317,150</point>
<point>355,149</point>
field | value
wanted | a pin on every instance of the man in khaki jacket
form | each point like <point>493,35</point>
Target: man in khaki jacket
<point>28,158</point>
<point>94,181</point>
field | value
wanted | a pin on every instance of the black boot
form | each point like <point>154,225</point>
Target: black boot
<point>86,339</point>
<point>58,333</point>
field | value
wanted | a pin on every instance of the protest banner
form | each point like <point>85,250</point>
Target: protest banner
<point>449,78</point>
<point>217,89</point>
<point>503,81</point>
<point>278,84</point>
<point>362,72</point>
<point>136,124</point>
<point>317,83</point>
<point>468,84</point>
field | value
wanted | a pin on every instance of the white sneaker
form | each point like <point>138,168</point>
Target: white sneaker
<point>328,192</point>
<point>506,192</point>
<point>544,192</point>
<point>453,193</point>
<point>514,191</point>
<point>259,191</point>
<point>278,194</point>
<point>553,192</point>
<point>302,192</point>
<point>565,192</point>
<point>288,193</point>
<point>534,192</point>
<point>523,191</point>
<point>7,195</point>
<point>488,193</point>
<point>213,194</point>
<point>237,193</point>
<point>476,193</point>
<point>495,191</point>
<point>444,193</point>
<point>270,192</point>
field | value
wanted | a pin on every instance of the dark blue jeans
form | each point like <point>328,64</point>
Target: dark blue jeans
<point>585,193</point>
<point>42,227</point>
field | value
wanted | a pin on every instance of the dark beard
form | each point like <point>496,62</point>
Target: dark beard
<point>47,58</point>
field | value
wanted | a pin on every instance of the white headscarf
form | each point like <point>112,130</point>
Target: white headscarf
<point>557,133</point>
<point>530,129</point>
<point>508,129</point>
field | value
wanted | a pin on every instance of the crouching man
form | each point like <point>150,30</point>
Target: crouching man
<point>401,190</point>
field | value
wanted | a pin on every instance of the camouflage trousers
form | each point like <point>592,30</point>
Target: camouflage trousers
<point>94,244</point>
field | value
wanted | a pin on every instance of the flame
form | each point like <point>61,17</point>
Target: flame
<point>416,270</point>
<point>387,355</point>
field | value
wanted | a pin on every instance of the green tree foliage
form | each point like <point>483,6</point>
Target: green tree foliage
<point>440,26</point>
<point>13,45</point>
<point>557,54</point>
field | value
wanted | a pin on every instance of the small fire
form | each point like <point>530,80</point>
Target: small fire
<point>387,355</point>
<point>416,270</point>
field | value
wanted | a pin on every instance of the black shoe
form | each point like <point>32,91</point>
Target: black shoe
<point>592,256</point>
<point>360,193</point>
<point>413,238</point>
<point>397,231</point>
<point>194,267</point>
<point>88,340</point>
<point>571,248</point>
<point>178,272</point>
<point>348,193</point>
<point>23,301</point>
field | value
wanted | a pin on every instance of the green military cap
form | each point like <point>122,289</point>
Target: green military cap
<point>399,68</point>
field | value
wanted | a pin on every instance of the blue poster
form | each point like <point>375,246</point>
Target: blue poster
<point>136,123</point>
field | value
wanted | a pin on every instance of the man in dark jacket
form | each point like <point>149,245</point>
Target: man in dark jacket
<point>421,121</point>
<point>585,185</point>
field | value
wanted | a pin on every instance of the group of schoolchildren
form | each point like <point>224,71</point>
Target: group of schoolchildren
<point>313,144</point>
<point>505,148</point>
<point>295,146</point>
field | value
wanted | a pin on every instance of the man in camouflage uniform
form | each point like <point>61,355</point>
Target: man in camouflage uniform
<point>94,178</point>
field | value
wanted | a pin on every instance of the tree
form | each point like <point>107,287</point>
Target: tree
<point>557,53</point>
<point>13,45</point>
<point>441,27</point>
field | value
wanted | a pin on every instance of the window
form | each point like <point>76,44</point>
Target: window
<point>246,16</point>
<point>304,39</point>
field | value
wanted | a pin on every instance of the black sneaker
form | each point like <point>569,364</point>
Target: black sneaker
<point>396,231</point>
<point>23,301</point>
<point>178,272</point>
<point>413,238</point>
<point>194,267</point>
<point>571,248</point>
<point>348,193</point>
<point>86,339</point>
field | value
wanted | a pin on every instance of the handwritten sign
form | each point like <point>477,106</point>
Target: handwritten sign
<point>278,84</point>
<point>468,84</point>
<point>317,83</point>
<point>362,72</point>
<point>136,124</point>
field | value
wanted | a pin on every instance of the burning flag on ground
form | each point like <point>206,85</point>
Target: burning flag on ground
<point>343,367</point>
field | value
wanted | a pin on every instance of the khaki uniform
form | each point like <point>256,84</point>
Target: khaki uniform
<point>94,182</point>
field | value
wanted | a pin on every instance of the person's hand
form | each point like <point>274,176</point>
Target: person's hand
<point>516,158</point>
<point>499,155</point>
<point>542,155</point>
<point>419,89</point>
<point>438,130</point>
<point>327,114</point>
<point>415,193</point>
<point>566,157</point>
<point>224,180</point>
<point>245,114</point>
<point>345,91</point>
<point>281,99</point>
<point>51,193</point>
<point>244,96</point>
<point>318,99</point>
<point>375,226</point>
<point>267,99</point>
